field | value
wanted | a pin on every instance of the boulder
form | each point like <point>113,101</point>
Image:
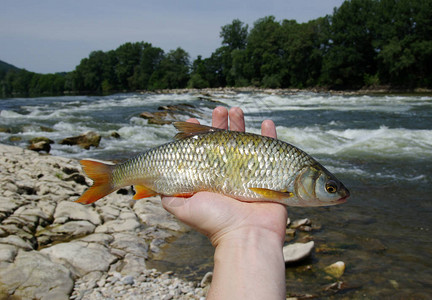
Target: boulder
<point>82,257</point>
<point>130,243</point>
<point>115,135</point>
<point>85,140</point>
<point>7,252</point>
<point>64,232</point>
<point>297,251</point>
<point>302,222</point>
<point>157,118</point>
<point>183,107</point>
<point>129,225</point>
<point>33,276</point>
<point>66,210</point>
<point>40,144</point>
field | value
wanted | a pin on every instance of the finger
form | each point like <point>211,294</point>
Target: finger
<point>171,204</point>
<point>193,120</point>
<point>220,118</point>
<point>236,119</point>
<point>268,128</point>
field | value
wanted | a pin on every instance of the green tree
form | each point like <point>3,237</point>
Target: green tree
<point>351,54</point>
<point>234,35</point>
<point>263,51</point>
<point>89,74</point>
<point>302,48</point>
<point>198,74</point>
<point>128,58</point>
<point>173,71</point>
<point>151,58</point>
<point>404,45</point>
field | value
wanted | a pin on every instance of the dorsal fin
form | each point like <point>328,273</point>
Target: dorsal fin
<point>186,129</point>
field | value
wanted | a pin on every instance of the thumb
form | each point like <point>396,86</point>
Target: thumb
<point>174,205</point>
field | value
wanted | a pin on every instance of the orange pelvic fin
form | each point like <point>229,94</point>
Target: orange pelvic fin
<point>186,129</point>
<point>143,192</point>
<point>101,174</point>
<point>271,194</point>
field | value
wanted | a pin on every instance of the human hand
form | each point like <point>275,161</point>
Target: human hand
<point>220,217</point>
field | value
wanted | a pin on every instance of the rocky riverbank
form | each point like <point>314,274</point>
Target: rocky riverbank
<point>54,248</point>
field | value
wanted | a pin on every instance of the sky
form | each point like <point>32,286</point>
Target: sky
<point>48,36</point>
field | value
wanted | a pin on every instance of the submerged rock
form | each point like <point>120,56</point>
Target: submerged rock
<point>335,270</point>
<point>5,129</point>
<point>158,118</point>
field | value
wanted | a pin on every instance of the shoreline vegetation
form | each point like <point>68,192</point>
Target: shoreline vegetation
<point>365,45</point>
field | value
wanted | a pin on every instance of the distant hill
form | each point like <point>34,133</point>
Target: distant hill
<point>4,66</point>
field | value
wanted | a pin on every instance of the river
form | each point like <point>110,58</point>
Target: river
<point>379,146</point>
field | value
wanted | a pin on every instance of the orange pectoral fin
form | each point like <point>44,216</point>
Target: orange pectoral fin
<point>143,192</point>
<point>271,194</point>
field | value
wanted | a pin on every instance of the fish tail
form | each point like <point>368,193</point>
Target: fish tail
<point>101,174</point>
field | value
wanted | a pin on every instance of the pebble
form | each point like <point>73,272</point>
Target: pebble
<point>297,251</point>
<point>335,270</point>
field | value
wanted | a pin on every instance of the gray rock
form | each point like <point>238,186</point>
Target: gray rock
<point>7,205</point>
<point>8,252</point>
<point>101,238</point>
<point>130,243</point>
<point>16,241</point>
<point>132,265</point>
<point>128,280</point>
<point>34,276</point>
<point>108,212</point>
<point>64,232</point>
<point>82,257</point>
<point>301,222</point>
<point>40,144</point>
<point>297,251</point>
<point>151,212</point>
<point>118,226</point>
<point>67,210</point>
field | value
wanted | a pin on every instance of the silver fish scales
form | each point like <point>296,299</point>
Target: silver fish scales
<point>245,166</point>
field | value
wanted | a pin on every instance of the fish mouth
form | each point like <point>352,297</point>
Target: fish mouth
<point>343,199</point>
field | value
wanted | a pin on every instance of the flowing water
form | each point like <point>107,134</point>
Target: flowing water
<point>379,146</point>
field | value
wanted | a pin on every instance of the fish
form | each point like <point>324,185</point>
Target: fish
<point>245,166</point>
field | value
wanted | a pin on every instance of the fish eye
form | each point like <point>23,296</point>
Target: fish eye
<point>331,187</point>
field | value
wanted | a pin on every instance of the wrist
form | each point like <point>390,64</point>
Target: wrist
<point>249,264</point>
<point>248,236</point>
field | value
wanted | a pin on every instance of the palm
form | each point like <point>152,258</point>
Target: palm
<point>216,215</point>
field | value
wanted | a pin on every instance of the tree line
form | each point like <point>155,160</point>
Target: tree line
<point>363,43</point>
